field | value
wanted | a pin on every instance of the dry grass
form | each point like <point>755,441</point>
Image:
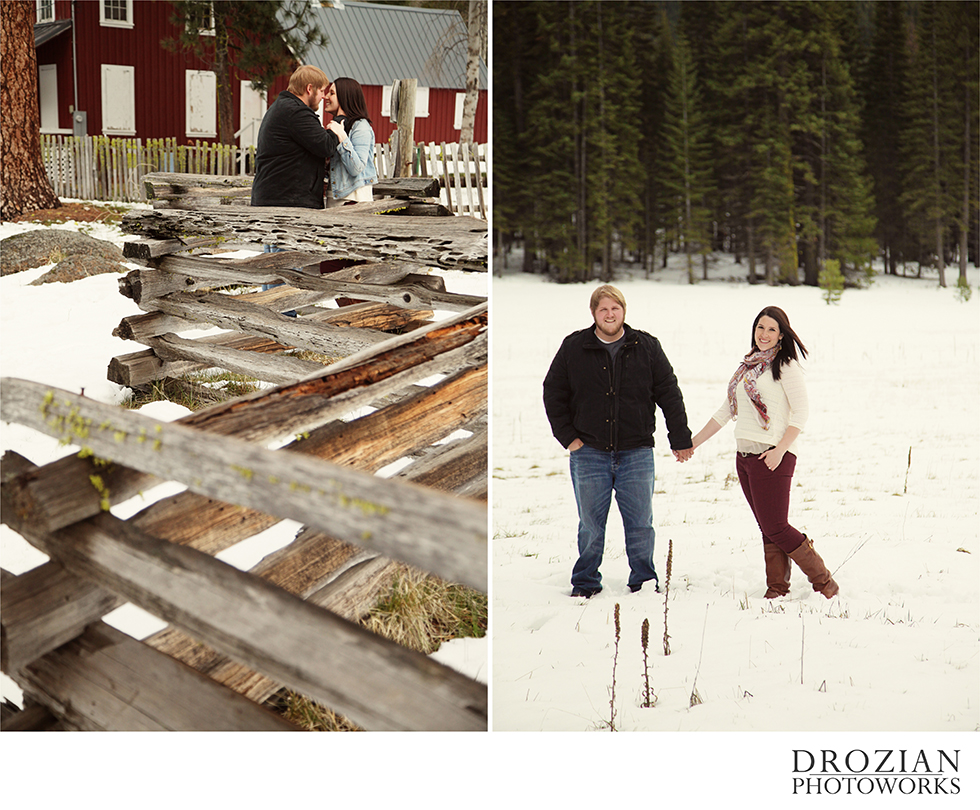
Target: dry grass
<point>419,612</point>
<point>194,391</point>
<point>308,715</point>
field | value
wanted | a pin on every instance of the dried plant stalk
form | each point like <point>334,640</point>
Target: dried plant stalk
<point>670,560</point>
<point>648,699</point>
<point>612,692</point>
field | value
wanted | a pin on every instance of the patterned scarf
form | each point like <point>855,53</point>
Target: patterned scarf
<point>753,366</point>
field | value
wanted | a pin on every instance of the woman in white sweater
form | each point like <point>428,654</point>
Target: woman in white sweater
<point>767,399</point>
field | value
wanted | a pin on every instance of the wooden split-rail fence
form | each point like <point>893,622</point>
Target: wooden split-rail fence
<point>391,383</point>
<point>114,169</point>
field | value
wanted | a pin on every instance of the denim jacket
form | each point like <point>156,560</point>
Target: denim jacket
<point>352,165</point>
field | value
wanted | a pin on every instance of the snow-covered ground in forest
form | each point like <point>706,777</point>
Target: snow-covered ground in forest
<point>893,370</point>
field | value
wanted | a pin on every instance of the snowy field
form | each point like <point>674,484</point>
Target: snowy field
<point>61,335</point>
<point>893,369</point>
<point>895,656</point>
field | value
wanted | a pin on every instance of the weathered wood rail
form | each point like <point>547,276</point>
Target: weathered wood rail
<point>404,388</point>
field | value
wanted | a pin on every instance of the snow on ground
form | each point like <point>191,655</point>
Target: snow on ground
<point>893,369</point>
<point>61,335</point>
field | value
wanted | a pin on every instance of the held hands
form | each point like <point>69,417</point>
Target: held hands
<point>338,130</point>
<point>680,455</point>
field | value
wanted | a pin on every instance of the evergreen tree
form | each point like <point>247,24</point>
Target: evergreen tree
<point>740,121</point>
<point>834,176</point>
<point>557,159</point>
<point>24,184</point>
<point>777,72</point>
<point>611,106</point>
<point>685,158</point>
<point>700,25</point>
<point>651,37</point>
<point>517,50</point>
<point>962,32</point>
<point>884,90</point>
<point>790,131</point>
<point>930,139</point>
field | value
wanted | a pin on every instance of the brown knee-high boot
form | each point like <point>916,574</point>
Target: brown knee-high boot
<point>778,568</point>
<point>813,566</point>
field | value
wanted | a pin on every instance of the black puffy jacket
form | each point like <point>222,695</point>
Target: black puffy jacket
<point>290,157</point>
<point>612,406</point>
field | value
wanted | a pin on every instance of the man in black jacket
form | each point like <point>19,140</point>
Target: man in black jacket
<point>293,146</point>
<point>601,395</point>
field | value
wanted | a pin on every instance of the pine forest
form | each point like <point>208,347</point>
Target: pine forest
<point>789,134</point>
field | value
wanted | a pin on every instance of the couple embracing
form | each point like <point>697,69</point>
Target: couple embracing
<point>601,393</point>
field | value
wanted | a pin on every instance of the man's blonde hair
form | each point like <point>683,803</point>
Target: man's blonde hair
<point>304,76</point>
<point>606,291</point>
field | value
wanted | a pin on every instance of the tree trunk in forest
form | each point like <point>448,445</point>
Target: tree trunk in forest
<point>965,228</point>
<point>937,169</point>
<point>811,266</point>
<point>24,184</point>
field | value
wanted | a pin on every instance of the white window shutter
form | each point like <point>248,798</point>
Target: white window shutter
<point>201,101</point>
<point>422,102</point>
<point>458,111</point>
<point>118,100</point>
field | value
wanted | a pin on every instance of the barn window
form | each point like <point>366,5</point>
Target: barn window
<point>200,100</point>
<point>118,100</point>
<point>200,20</point>
<point>116,13</point>
<point>45,11</point>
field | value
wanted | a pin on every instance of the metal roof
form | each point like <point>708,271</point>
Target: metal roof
<point>377,44</point>
<point>44,32</point>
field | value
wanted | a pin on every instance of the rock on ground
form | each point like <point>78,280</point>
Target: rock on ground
<point>87,256</point>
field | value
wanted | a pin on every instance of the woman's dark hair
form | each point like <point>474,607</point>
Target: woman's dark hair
<point>350,96</point>
<point>789,342</point>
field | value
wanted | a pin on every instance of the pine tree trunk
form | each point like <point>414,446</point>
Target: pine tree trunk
<point>965,228</point>
<point>937,164</point>
<point>24,184</point>
<point>222,72</point>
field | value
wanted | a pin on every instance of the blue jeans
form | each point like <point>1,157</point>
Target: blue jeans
<point>595,475</point>
<point>274,249</point>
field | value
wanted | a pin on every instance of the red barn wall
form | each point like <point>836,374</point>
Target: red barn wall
<point>159,77</point>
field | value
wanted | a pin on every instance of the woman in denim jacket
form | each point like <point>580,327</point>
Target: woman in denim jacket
<point>352,169</point>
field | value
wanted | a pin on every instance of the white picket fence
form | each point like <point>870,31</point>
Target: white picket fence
<point>112,169</point>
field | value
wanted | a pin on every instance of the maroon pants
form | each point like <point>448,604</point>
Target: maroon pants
<point>767,492</point>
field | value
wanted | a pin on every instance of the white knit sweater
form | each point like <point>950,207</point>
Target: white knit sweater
<point>786,403</point>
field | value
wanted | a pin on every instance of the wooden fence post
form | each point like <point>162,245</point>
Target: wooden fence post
<point>406,127</point>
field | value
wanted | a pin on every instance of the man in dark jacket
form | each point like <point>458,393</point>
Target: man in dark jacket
<point>293,145</point>
<point>601,395</point>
